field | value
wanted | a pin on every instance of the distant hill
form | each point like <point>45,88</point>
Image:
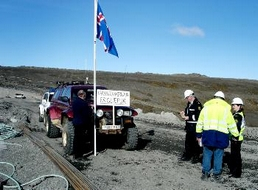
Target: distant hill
<point>150,92</point>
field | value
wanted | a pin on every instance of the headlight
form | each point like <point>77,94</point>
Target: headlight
<point>99,113</point>
<point>119,112</point>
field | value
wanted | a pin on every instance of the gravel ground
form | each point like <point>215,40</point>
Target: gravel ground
<point>31,165</point>
<point>154,165</point>
<point>18,155</point>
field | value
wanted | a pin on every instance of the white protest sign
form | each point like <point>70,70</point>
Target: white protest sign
<point>113,98</point>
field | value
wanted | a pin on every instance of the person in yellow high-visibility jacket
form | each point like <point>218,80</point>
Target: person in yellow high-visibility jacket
<point>235,165</point>
<point>214,124</point>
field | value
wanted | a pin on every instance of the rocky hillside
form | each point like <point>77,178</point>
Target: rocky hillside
<point>150,92</point>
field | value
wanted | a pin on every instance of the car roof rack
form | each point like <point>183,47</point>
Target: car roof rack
<point>62,83</point>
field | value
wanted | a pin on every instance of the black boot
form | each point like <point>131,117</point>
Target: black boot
<point>185,157</point>
<point>195,160</point>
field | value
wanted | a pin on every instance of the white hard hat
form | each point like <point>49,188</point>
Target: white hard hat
<point>188,93</point>
<point>238,101</point>
<point>219,94</point>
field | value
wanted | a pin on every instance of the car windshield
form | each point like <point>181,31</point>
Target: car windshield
<point>90,95</point>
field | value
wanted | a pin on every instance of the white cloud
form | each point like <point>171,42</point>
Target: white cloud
<point>188,31</point>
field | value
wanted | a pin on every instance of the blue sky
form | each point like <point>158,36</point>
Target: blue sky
<point>217,38</point>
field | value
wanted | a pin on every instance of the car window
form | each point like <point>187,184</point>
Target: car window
<point>45,96</point>
<point>67,92</point>
<point>74,93</point>
<point>50,97</point>
<point>57,93</point>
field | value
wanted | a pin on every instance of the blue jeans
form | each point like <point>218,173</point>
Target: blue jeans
<point>212,154</point>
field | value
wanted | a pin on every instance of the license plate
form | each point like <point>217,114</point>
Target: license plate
<point>107,127</point>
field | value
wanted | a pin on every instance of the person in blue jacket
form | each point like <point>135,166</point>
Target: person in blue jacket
<point>81,122</point>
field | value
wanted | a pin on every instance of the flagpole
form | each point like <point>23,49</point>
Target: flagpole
<point>94,73</point>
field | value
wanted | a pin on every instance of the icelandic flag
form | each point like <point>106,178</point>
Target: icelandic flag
<point>103,33</point>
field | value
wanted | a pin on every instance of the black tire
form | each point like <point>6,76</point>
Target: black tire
<point>68,137</point>
<point>131,138</point>
<point>41,119</point>
<point>52,131</point>
<point>45,118</point>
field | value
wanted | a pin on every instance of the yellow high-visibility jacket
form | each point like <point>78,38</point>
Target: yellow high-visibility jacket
<point>240,122</point>
<point>215,123</point>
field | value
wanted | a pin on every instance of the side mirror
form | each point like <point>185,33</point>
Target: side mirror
<point>64,99</point>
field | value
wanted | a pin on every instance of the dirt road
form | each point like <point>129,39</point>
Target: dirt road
<point>154,165</point>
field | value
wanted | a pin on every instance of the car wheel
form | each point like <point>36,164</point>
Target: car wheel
<point>52,131</point>
<point>40,117</point>
<point>45,118</point>
<point>68,137</point>
<point>131,141</point>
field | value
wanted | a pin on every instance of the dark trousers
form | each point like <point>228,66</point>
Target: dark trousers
<point>79,138</point>
<point>235,165</point>
<point>192,148</point>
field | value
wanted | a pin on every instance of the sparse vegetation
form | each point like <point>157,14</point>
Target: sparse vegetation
<point>149,92</point>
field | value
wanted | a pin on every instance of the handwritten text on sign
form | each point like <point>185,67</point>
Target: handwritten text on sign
<point>113,98</point>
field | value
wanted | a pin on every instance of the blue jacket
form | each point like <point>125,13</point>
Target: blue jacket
<point>81,112</point>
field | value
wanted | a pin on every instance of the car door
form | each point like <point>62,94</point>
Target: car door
<point>45,99</point>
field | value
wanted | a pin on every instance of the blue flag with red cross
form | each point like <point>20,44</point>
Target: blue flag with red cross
<point>103,33</point>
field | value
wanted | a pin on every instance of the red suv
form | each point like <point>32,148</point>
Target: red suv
<point>59,117</point>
